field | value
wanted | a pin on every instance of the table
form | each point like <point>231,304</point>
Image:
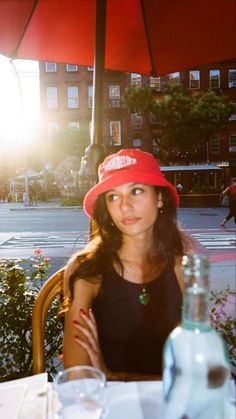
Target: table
<point>27,398</point>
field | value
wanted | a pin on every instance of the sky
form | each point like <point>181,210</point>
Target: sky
<point>19,101</point>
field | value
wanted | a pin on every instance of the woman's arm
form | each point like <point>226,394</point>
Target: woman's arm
<point>226,191</point>
<point>84,293</point>
<point>89,340</point>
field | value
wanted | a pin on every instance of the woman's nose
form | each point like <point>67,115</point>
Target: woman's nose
<point>125,203</point>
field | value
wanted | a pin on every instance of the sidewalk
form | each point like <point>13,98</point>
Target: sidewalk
<point>41,206</point>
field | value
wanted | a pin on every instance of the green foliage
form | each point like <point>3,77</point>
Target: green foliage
<point>223,320</point>
<point>212,113</point>
<point>177,120</point>
<point>139,100</point>
<point>67,142</point>
<point>20,282</point>
<point>184,121</point>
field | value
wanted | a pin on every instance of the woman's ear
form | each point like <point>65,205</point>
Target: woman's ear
<point>159,200</point>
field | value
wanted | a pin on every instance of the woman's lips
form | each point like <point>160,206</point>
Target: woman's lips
<point>130,220</point>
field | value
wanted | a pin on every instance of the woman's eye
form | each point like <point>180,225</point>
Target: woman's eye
<point>137,191</point>
<point>111,197</point>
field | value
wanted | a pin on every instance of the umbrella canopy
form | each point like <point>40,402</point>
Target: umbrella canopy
<point>143,36</point>
<point>153,37</point>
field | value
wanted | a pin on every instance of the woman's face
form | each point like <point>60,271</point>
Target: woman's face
<point>133,207</point>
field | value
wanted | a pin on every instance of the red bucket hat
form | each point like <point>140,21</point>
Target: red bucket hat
<point>128,165</point>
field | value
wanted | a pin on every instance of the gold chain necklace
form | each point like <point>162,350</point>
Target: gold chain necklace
<point>144,297</point>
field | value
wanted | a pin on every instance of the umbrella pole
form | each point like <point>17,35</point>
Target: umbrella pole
<point>95,152</point>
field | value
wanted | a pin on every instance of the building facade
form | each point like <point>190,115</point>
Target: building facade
<point>66,102</point>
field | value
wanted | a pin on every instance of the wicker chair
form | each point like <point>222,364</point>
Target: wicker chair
<point>49,291</point>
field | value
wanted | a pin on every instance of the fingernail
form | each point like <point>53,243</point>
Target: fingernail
<point>82,312</point>
<point>76,337</point>
<point>90,310</point>
<point>77,322</point>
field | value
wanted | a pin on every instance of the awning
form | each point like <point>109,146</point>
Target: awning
<point>193,168</point>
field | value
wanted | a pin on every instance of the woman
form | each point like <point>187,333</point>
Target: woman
<point>123,291</point>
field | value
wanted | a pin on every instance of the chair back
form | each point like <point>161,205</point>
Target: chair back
<point>48,293</point>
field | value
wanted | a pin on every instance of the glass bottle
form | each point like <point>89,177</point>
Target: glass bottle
<point>196,368</point>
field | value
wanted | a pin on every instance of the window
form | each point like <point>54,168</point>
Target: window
<point>232,143</point>
<point>155,83</point>
<point>155,146</point>
<point>53,128</point>
<point>233,115</point>
<point>90,68</point>
<point>137,142</point>
<point>232,78</point>
<point>136,79</point>
<point>72,97</point>
<point>214,79</point>
<point>52,97</point>
<point>90,96</point>
<point>215,144</point>
<point>136,120</point>
<point>74,125</point>
<point>194,79</point>
<point>115,132</point>
<point>174,78</point>
<point>50,67</point>
<point>114,95</point>
<point>71,67</point>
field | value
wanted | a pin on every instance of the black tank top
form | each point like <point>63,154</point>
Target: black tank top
<point>132,335</point>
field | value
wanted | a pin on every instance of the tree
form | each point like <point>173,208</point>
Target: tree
<point>63,143</point>
<point>140,100</point>
<point>69,142</point>
<point>183,121</point>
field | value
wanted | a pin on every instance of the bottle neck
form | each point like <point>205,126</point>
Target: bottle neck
<point>195,314</point>
<point>195,310</point>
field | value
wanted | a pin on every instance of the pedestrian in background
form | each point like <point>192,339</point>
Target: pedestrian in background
<point>230,192</point>
<point>179,187</point>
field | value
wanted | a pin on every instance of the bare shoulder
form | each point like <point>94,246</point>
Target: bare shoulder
<point>82,286</point>
<point>71,266</point>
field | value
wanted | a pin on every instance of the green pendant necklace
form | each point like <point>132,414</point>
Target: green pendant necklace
<point>144,297</point>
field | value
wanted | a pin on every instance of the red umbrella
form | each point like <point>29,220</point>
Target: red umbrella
<point>144,36</point>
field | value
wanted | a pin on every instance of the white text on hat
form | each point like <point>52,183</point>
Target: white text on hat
<point>119,162</point>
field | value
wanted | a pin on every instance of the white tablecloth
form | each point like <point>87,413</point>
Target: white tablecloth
<point>27,399</point>
<point>31,404</point>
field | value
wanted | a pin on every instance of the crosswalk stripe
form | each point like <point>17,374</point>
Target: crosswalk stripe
<point>210,240</point>
<point>29,242</point>
<point>216,241</point>
<point>218,248</point>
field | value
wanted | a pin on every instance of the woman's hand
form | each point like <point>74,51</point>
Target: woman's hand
<point>90,341</point>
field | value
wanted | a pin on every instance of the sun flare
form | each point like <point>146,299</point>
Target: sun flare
<point>19,102</point>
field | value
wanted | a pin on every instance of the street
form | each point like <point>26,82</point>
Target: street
<point>60,231</point>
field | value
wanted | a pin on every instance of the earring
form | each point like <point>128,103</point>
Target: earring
<point>160,206</point>
<point>112,224</point>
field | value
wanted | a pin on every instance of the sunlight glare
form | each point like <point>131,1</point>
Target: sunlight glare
<point>19,102</point>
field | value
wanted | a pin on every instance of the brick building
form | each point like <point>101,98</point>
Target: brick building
<point>66,102</point>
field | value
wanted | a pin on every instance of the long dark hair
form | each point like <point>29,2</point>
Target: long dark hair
<point>100,254</point>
